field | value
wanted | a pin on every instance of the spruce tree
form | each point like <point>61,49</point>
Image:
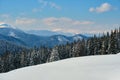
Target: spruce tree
<point>54,55</point>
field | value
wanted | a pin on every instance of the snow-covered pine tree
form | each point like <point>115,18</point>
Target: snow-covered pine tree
<point>54,55</point>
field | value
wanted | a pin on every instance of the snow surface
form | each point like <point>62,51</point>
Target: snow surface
<point>105,67</point>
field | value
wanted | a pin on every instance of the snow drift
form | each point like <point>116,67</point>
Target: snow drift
<point>106,67</point>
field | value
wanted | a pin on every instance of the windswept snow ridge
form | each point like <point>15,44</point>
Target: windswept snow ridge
<point>105,67</point>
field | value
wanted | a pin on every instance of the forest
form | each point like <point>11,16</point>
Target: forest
<point>108,43</point>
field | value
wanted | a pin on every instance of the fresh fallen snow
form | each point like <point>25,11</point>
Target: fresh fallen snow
<point>105,67</point>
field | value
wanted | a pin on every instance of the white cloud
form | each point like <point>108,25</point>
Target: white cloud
<point>102,8</point>
<point>44,3</point>
<point>57,29</point>
<point>54,5</point>
<point>62,24</point>
<point>65,24</point>
<point>2,22</point>
<point>52,21</point>
<point>25,21</point>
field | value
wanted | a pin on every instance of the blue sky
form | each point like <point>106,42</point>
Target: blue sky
<point>74,16</point>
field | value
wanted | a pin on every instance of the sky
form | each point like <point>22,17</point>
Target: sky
<point>73,16</point>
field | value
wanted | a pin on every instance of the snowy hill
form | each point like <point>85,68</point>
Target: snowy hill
<point>106,67</point>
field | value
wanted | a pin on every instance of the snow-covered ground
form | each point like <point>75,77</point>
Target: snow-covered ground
<point>105,67</point>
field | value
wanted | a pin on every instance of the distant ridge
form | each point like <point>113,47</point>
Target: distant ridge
<point>20,37</point>
<point>47,33</point>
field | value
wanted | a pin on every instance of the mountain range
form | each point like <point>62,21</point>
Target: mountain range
<point>47,33</point>
<point>36,38</point>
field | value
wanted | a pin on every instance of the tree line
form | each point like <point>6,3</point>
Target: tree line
<point>108,43</point>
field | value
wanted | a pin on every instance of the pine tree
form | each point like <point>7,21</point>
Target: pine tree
<point>54,55</point>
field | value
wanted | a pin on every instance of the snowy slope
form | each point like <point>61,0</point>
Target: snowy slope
<point>105,67</point>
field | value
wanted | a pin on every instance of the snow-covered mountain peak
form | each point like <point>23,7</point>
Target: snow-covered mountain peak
<point>6,26</point>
